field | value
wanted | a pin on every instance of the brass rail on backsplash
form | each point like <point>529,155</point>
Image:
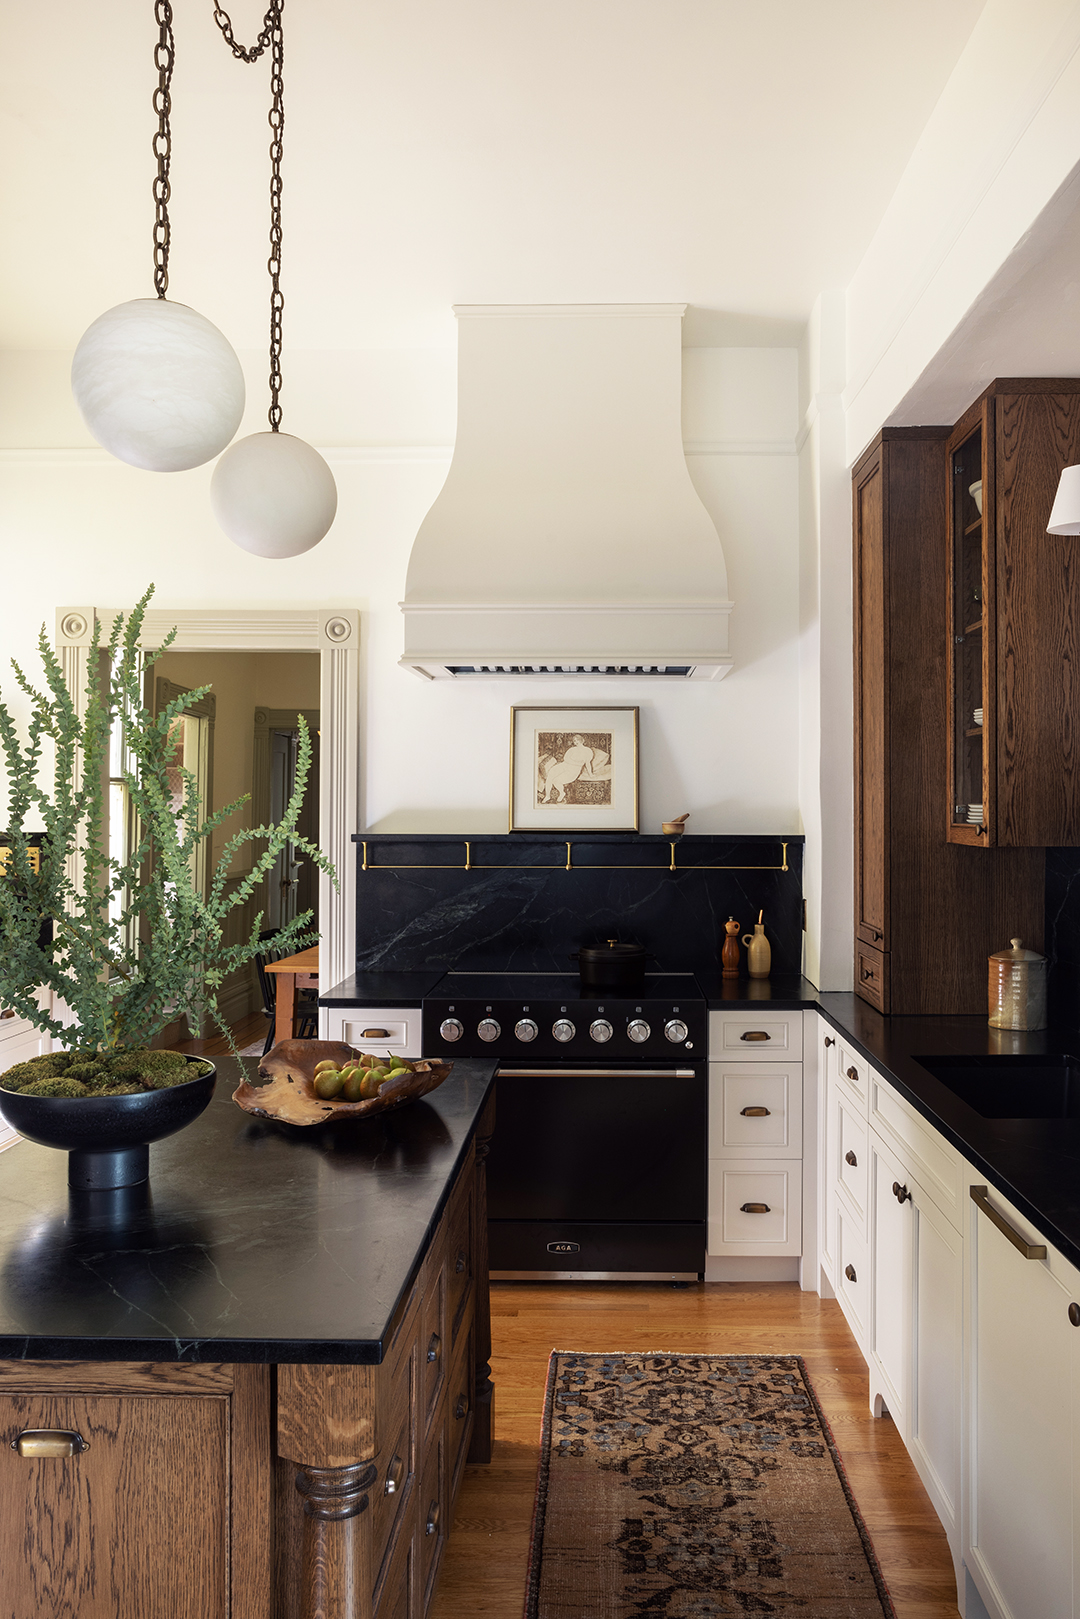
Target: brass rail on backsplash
<point>473,865</point>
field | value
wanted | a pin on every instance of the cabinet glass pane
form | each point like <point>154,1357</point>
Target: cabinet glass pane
<point>967,626</point>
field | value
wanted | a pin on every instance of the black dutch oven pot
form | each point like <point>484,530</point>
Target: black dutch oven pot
<point>611,966</point>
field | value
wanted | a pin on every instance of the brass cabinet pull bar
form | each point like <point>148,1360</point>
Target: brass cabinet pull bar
<point>755,1112</point>
<point>756,1208</point>
<point>1030,1250</point>
<point>49,1442</point>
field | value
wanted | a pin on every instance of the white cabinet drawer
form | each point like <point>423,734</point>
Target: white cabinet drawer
<point>755,1207</point>
<point>755,1036</point>
<point>852,1279</point>
<point>852,1153</point>
<point>755,1109</point>
<point>395,1029</point>
<point>853,1073</point>
<point>933,1161</point>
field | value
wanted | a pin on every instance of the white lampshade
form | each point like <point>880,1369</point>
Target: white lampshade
<point>158,385</point>
<point>1065,517</point>
<point>273,494</point>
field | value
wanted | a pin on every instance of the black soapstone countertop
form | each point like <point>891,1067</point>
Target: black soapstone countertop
<point>255,1242</point>
<point>383,989</point>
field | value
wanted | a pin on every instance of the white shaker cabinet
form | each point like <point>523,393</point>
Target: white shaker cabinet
<point>1023,1364</point>
<point>394,1029</point>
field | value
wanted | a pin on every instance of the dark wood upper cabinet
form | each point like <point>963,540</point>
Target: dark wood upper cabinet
<point>1013,603</point>
<point>927,912</point>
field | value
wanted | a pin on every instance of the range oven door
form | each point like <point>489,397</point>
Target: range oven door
<point>598,1170</point>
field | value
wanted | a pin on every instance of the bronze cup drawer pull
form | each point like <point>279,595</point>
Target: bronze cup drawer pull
<point>849,1272</point>
<point>755,1034</point>
<point>434,1347</point>
<point>394,1475</point>
<point>459,1264</point>
<point>756,1208</point>
<point>829,1041</point>
<point>432,1523</point>
<point>853,1075</point>
<point>1074,1314</point>
<point>375,1034</point>
<point>1030,1250</point>
<point>756,1112</point>
<point>850,1158</point>
<point>49,1442</point>
<point>901,1193</point>
<point>461,1409</point>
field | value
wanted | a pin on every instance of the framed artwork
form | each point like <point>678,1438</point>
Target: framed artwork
<point>573,769</point>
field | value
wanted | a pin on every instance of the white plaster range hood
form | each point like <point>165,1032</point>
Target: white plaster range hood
<point>568,539</point>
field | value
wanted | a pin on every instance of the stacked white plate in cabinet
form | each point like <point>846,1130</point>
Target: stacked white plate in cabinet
<point>975,814</point>
<point>977,717</point>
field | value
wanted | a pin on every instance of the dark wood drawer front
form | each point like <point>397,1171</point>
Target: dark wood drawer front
<point>396,1595</point>
<point>432,1528</point>
<point>872,976</point>
<point>459,1413</point>
<point>871,934</point>
<point>395,1486</point>
<point>459,1260</point>
<point>91,1534</point>
<point>434,1336</point>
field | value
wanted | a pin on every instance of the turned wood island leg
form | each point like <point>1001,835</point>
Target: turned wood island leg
<point>326,1426</point>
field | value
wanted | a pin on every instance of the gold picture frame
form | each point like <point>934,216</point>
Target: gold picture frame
<point>573,769</point>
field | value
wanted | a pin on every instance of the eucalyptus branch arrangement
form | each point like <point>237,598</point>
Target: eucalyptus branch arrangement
<point>136,942</point>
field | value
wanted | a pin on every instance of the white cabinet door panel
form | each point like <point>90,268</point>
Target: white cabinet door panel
<point>936,1391</point>
<point>890,1324</point>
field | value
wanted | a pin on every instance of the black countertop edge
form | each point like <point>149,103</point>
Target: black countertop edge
<point>782,993</point>
<point>383,988</point>
<point>1035,1163</point>
<point>195,1352</point>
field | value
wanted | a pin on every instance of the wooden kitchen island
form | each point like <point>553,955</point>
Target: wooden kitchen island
<point>271,1366</point>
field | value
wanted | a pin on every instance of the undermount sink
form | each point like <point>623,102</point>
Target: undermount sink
<point>1036,1087</point>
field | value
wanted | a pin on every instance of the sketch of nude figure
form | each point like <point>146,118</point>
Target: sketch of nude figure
<point>579,762</point>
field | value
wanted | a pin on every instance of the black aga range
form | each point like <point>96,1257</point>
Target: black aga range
<point>598,1165</point>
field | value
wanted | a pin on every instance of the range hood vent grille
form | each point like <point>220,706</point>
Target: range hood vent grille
<point>459,669</point>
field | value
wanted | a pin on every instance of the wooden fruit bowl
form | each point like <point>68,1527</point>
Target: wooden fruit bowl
<point>290,1095</point>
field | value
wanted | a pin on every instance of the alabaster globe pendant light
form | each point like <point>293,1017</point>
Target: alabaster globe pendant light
<point>272,494</point>
<point>156,383</point>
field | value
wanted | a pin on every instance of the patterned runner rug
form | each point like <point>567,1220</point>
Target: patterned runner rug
<point>694,1487</point>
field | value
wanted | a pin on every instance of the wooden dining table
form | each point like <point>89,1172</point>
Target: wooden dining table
<point>292,972</point>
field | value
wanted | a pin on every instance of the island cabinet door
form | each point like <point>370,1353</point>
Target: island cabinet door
<point>1023,1369</point>
<point>133,1522</point>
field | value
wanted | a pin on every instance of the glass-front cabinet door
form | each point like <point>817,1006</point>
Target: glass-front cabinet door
<point>971,585</point>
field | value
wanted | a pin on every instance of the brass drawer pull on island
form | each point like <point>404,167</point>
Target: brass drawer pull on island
<point>756,1208</point>
<point>1030,1250</point>
<point>755,1034</point>
<point>433,1348</point>
<point>901,1193</point>
<point>849,1272</point>
<point>850,1158</point>
<point>49,1442</point>
<point>756,1113</point>
<point>394,1475</point>
<point>853,1075</point>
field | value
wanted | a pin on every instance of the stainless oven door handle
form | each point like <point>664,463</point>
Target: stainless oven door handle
<point>597,1073</point>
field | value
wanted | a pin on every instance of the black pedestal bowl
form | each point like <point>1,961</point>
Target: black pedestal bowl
<point>107,1137</point>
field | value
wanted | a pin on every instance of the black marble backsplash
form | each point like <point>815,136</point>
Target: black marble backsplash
<point>1063,935</point>
<point>518,908</point>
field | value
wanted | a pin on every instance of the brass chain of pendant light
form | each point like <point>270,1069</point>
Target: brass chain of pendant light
<point>164,55</point>
<point>270,37</point>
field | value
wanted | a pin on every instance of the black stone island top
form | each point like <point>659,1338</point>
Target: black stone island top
<point>253,1242</point>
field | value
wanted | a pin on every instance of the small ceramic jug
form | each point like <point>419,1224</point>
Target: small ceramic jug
<point>1017,991</point>
<point>758,950</point>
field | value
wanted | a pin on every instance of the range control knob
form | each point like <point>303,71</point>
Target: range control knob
<point>638,1030</point>
<point>488,1029</point>
<point>451,1029</point>
<point>600,1030</point>
<point>563,1029</point>
<point>526,1029</point>
<point>675,1030</point>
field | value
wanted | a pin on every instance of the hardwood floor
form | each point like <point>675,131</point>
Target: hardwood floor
<point>245,1033</point>
<point>483,1574</point>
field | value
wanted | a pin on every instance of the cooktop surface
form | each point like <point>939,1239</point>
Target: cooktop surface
<point>480,986</point>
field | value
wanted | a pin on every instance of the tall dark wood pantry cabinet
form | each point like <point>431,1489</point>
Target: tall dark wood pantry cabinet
<point>927,912</point>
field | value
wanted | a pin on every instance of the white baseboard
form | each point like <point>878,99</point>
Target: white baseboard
<point>766,1269</point>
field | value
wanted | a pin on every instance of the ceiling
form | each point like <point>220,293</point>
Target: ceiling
<point>734,156</point>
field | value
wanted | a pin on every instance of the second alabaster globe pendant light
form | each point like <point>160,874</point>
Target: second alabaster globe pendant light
<point>156,383</point>
<point>272,493</point>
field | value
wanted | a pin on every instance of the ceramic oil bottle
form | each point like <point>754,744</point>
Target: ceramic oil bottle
<point>758,950</point>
